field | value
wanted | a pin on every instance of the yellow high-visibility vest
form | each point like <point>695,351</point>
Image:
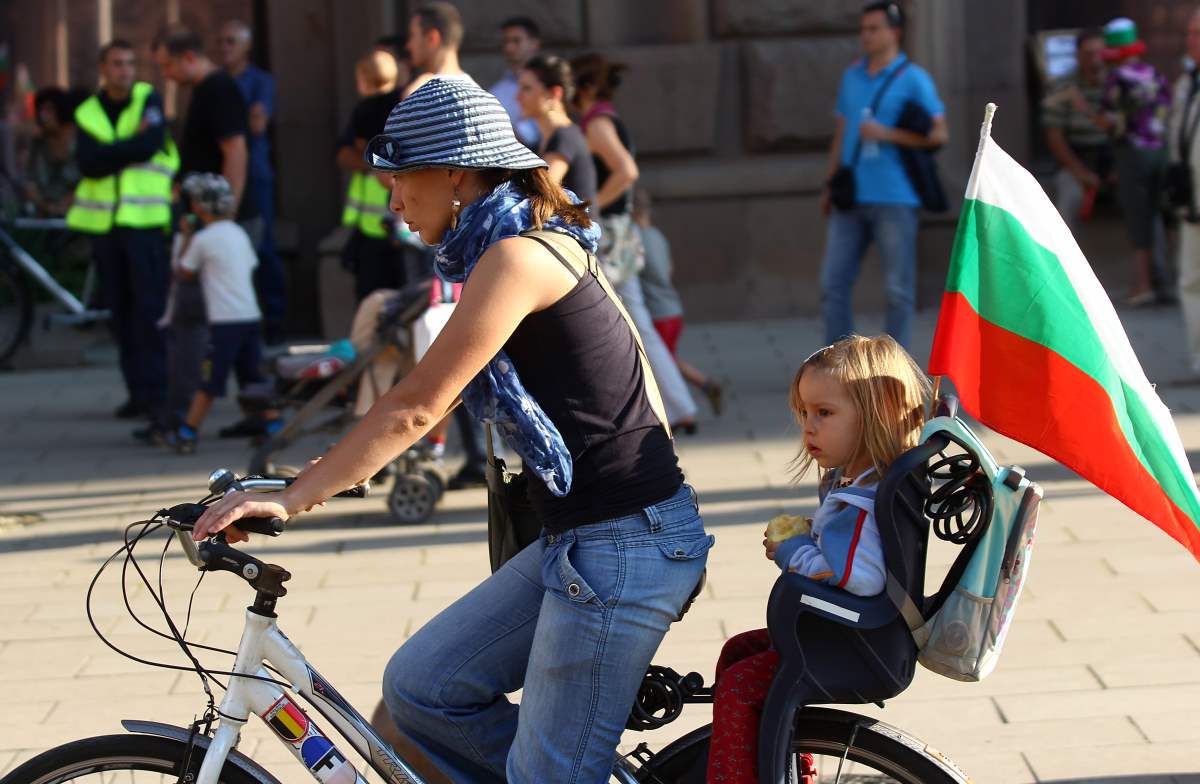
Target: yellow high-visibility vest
<point>367,202</point>
<point>139,196</point>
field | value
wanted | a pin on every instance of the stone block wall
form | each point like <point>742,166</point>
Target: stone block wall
<point>730,103</point>
<point>731,106</point>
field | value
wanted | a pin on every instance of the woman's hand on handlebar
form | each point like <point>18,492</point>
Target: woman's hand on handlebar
<point>223,515</point>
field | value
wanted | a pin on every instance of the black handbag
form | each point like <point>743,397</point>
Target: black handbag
<point>513,524</point>
<point>842,190</point>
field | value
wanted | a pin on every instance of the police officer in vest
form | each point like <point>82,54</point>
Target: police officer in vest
<point>123,202</point>
<point>372,252</point>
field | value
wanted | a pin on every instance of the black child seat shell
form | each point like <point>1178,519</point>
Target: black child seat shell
<point>835,647</point>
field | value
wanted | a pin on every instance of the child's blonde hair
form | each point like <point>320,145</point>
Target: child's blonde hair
<point>888,389</point>
<point>378,71</point>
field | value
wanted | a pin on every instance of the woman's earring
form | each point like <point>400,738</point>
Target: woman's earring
<point>455,206</point>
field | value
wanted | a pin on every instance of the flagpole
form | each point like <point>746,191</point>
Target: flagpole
<point>985,133</point>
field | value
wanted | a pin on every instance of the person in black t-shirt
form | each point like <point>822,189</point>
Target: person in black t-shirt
<point>544,87</point>
<point>216,128</point>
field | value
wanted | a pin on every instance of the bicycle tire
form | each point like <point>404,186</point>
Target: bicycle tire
<point>104,753</point>
<point>14,294</point>
<point>891,751</point>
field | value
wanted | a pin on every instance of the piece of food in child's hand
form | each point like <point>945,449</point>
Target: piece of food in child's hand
<point>785,526</point>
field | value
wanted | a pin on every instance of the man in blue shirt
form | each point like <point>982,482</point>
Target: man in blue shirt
<point>521,40</point>
<point>258,90</point>
<point>873,93</point>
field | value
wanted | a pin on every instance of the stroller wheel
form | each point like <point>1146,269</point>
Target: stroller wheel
<point>412,499</point>
<point>281,471</point>
<point>437,481</point>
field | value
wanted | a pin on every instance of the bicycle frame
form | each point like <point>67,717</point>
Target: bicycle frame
<point>78,313</point>
<point>262,641</point>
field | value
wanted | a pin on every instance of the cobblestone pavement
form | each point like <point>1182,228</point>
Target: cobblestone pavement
<point>1100,678</point>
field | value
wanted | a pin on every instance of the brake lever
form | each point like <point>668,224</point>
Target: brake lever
<point>189,546</point>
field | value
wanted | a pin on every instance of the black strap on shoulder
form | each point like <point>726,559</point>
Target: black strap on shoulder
<point>883,88</point>
<point>592,264</point>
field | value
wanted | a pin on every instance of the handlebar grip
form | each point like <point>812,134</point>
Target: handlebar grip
<point>270,526</point>
<point>358,491</point>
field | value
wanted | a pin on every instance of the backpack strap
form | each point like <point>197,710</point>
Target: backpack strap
<point>955,573</point>
<point>556,242</point>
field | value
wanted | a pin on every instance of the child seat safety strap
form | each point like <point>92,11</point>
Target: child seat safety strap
<point>908,609</point>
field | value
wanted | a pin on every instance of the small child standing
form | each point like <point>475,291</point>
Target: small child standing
<point>220,255</point>
<point>662,300</point>
<point>861,404</point>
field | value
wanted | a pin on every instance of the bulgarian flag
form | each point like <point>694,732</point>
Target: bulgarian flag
<point>1036,350</point>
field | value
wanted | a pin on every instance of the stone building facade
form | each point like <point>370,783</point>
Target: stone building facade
<point>730,103</point>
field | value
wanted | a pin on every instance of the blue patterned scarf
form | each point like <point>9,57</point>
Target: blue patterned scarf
<point>497,396</point>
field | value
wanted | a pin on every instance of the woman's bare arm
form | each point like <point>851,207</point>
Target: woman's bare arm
<point>623,171</point>
<point>514,278</point>
<point>558,166</point>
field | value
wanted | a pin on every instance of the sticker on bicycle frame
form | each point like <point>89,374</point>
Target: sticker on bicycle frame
<point>326,762</point>
<point>333,768</point>
<point>288,721</point>
<point>314,749</point>
<point>324,689</point>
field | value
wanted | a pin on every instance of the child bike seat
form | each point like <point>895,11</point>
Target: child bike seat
<point>835,647</point>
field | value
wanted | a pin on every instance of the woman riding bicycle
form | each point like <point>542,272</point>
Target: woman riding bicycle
<point>538,347</point>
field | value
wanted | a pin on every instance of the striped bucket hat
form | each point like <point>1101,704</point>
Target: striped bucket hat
<point>449,123</point>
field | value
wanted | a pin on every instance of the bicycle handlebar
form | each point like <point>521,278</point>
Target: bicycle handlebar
<point>182,517</point>
<point>223,481</point>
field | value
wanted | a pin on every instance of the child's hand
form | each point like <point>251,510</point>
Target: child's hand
<point>769,546</point>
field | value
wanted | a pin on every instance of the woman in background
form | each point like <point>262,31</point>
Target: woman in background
<point>621,252</point>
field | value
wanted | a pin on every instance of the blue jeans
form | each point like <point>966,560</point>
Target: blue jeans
<point>893,227</point>
<point>574,619</point>
<point>269,278</point>
<point>134,269</point>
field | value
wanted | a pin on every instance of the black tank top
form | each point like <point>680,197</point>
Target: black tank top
<point>623,204</point>
<point>579,360</point>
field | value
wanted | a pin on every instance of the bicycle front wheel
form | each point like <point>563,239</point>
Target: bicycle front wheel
<point>16,309</point>
<point>137,759</point>
<point>822,749</point>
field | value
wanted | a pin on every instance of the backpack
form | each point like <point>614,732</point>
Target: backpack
<point>961,629</point>
<point>919,165</point>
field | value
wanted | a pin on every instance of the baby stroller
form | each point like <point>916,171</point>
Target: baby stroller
<point>316,381</point>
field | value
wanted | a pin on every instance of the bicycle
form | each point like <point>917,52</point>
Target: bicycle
<point>18,268</point>
<point>797,743</point>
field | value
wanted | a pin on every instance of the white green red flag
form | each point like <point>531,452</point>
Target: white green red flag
<point>1037,353</point>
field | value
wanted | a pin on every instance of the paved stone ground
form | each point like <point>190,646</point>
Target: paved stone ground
<point>1100,679</point>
